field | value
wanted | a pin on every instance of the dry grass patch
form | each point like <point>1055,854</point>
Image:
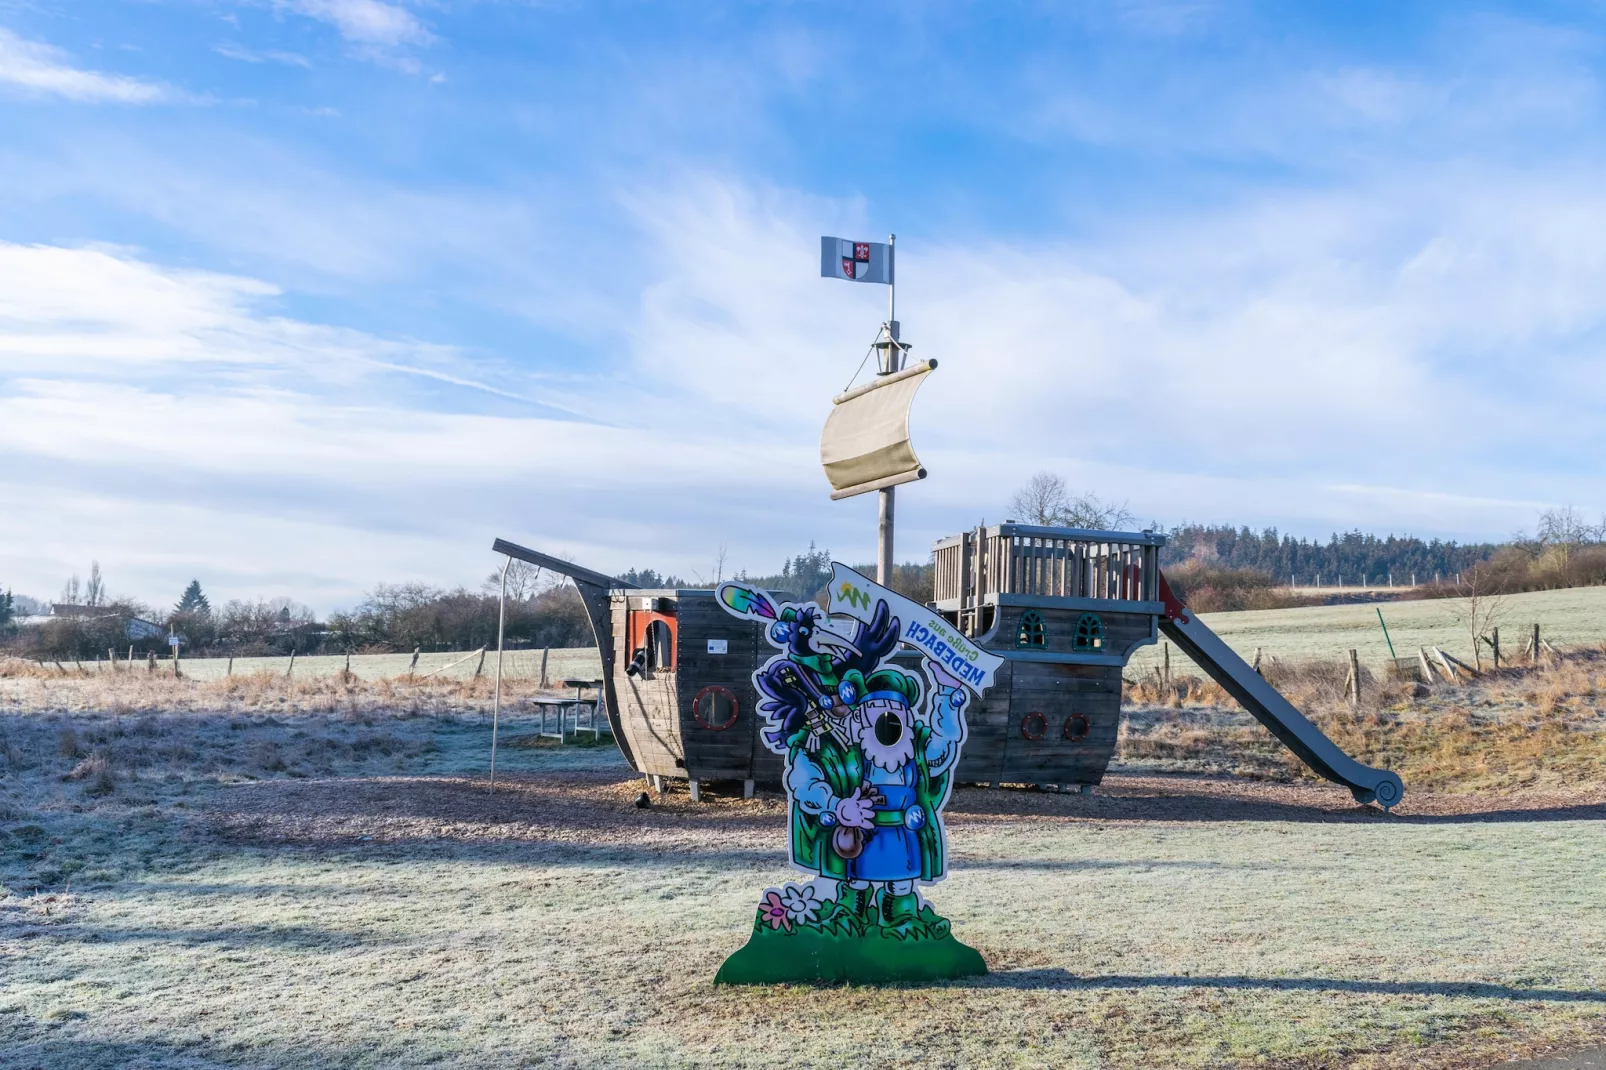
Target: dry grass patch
<point>1532,725</point>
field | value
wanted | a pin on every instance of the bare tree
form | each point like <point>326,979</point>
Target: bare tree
<point>1043,500</point>
<point>72,591</point>
<point>95,589</point>
<point>1561,532</point>
<point>1046,499</point>
<point>1483,603</point>
<point>1088,511</point>
<point>719,564</point>
<point>524,581</point>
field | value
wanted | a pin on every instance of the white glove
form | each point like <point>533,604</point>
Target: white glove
<point>855,811</point>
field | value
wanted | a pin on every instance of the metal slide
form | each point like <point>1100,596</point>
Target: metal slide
<point>1183,627</point>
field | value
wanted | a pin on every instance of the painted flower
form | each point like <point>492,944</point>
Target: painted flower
<point>773,910</point>
<point>802,905</point>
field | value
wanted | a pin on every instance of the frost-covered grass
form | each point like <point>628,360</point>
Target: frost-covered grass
<point>1566,618</point>
<point>369,905</point>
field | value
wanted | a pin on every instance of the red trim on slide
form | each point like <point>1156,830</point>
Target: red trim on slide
<point>1174,609</point>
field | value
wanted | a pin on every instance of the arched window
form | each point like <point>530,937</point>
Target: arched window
<point>1089,633</point>
<point>660,646</point>
<point>1031,631</point>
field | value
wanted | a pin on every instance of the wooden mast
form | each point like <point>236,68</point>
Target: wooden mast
<point>890,362</point>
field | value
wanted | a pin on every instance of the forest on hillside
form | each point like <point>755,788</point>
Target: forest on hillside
<point>1353,558</point>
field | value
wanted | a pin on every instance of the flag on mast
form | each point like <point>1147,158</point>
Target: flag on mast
<point>856,261</point>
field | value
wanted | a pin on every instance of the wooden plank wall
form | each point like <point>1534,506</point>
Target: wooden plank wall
<point>987,735</point>
<point>648,707</point>
<point>1059,692</point>
<point>730,753</point>
<point>1123,632</point>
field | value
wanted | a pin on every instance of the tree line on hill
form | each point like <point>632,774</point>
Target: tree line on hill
<point>1222,568</point>
<point>1353,558</point>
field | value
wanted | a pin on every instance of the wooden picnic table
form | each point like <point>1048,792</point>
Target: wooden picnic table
<point>562,706</point>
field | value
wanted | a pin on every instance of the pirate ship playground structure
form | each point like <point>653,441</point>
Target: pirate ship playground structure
<point>1065,608</point>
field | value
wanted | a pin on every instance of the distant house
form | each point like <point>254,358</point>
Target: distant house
<point>136,629</point>
<point>70,609</point>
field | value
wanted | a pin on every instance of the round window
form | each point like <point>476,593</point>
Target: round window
<point>714,708</point>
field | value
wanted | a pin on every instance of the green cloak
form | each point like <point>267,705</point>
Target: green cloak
<point>844,772</point>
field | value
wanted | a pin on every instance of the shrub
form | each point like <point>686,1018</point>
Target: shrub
<point>1207,588</point>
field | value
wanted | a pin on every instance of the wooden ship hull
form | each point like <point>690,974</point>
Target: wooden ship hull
<point>677,669</point>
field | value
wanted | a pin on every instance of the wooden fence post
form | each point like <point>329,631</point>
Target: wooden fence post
<point>1354,678</point>
<point>544,652</point>
<point>1256,665</point>
<point>481,666</point>
<point>1535,648</point>
<point>1495,642</point>
<point>1165,653</point>
<point>413,666</point>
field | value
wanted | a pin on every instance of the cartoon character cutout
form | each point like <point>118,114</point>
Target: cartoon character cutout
<point>869,754</point>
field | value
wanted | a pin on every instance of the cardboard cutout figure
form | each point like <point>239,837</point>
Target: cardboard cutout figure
<point>869,749</point>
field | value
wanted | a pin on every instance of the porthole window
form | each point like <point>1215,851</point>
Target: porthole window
<point>1089,633</point>
<point>714,708</point>
<point>1031,633</point>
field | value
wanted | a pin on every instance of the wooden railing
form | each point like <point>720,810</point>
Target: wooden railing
<point>1047,562</point>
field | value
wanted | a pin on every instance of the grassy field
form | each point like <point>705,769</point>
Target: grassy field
<point>270,873</point>
<point>1569,617</point>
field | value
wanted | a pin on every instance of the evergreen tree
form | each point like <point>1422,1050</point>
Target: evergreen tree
<point>193,601</point>
<point>8,608</point>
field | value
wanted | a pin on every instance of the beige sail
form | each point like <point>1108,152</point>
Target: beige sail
<point>865,445</point>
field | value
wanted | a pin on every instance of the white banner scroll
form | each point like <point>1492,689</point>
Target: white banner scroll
<point>918,626</point>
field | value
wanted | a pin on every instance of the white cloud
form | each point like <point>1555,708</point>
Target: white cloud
<point>167,423</point>
<point>1415,354</point>
<point>245,55</point>
<point>370,23</point>
<point>43,69</point>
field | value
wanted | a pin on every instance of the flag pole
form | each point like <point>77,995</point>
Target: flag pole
<point>890,365</point>
<point>892,291</point>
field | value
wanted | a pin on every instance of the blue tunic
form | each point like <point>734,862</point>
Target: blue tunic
<point>891,852</point>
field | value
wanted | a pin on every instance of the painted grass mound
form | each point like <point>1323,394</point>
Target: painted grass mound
<point>830,953</point>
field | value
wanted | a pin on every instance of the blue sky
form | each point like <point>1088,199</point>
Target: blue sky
<point>297,296</point>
